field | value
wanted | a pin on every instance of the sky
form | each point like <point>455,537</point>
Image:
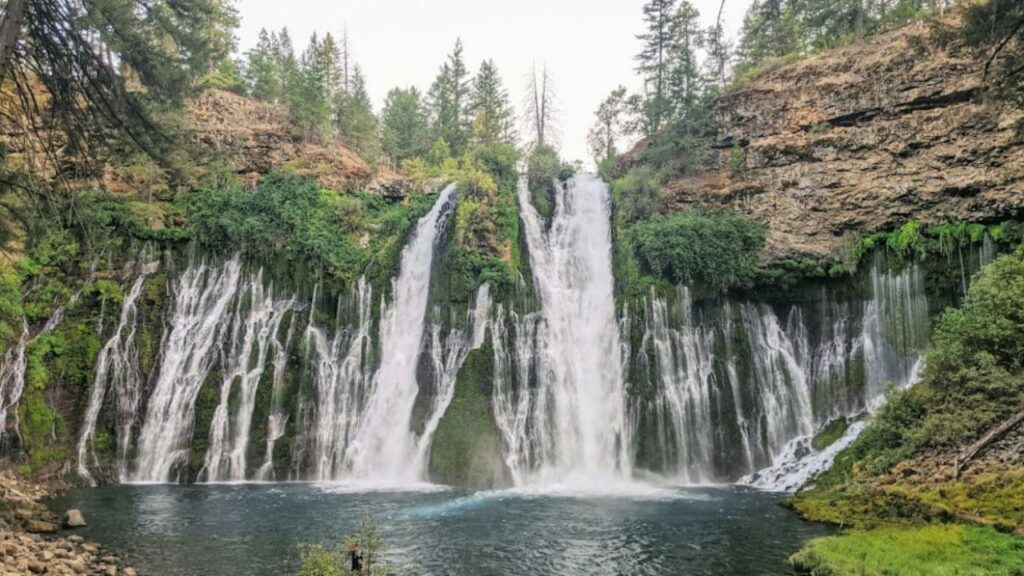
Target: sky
<point>587,45</point>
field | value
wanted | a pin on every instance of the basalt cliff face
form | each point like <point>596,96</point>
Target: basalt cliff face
<point>861,139</point>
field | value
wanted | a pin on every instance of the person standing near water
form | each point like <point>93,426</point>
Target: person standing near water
<point>358,562</point>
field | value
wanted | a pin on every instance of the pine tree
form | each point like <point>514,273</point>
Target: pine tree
<point>83,53</point>
<point>652,61</point>
<point>309,98</point>
<point>449,101</point>
<point>263,73</point>
<point>684,87</point>
<point>404,125</point>
<point>492,113</point>
<point>354,118</point>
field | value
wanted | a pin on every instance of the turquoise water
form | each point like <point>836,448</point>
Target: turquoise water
<point>256,529</point>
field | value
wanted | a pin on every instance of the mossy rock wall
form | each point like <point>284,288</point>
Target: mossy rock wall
<point>466,452</point>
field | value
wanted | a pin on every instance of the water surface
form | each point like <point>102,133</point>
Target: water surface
<point>256,529</point>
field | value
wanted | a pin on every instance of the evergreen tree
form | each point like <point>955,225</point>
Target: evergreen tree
<point>354,118</point>
<point>609,127</point>
<point>82,54</point>
<point>684,79</point>
<point>404,125</point>
<point>995,30</point>
<point>263,72</point>
<point>449,102</point>
<point>309,98</point>
<point>771,29</point>
<point>492,113</point>
<point>653,59</point>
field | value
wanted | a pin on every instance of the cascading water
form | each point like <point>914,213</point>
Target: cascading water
<point>447,352</point>
<point>342,371</point>
<point>13,368</point>
<point>201,297</point>
<point>384,445</point>
<point>255,323</point>
<point>737,389</point>
<point>117,367</point>
<point>575,418</point>
<point>12,377</point>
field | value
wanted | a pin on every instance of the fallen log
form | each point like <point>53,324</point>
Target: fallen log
<point>991,436</point>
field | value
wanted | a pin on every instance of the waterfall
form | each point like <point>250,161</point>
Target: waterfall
<point>576,415</point>
<point>384,445</point>
<point>342,371</point>
<point>201,297</point>
<point>117,367</point>
<point>447,354</point>
<point>13,369</point>
<point>255,323</point>
<point>741,388</point>
<point>278,418</point>
<point>12,377</point>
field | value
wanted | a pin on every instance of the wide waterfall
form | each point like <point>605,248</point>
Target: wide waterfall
<point>256,381</point>
<point>572,424</point>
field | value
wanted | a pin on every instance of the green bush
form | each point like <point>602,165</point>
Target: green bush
<point>637,195</point>
<point>318,560</point>
<point>10,307</point>
<point>973,377</point>
<point>542,169</point>
<point>717,251</point>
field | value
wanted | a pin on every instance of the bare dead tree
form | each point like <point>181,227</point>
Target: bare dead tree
<point>541,108</point>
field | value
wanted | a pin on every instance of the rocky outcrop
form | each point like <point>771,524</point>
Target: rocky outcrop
<point>256,137</point>
<point>862,139</point>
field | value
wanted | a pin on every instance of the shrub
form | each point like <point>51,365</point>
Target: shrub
<point>543,167</point>
<point>637,195</point>
<point>717,251</point>
<point>973,378</point>
<point>498,159</point>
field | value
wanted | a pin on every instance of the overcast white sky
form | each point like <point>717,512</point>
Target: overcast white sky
<point>588,45</point>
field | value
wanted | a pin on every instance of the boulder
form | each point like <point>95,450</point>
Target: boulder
<point>73,519</point>
<point>41,527</point>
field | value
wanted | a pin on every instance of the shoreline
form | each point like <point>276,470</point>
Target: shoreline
<point>33,540</point>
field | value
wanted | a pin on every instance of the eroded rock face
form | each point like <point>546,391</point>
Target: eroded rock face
<point>255,137</point>
<point>862,139</point>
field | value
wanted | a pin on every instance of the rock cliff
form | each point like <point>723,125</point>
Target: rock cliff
<point>255,137</point>
<point>862,139</point>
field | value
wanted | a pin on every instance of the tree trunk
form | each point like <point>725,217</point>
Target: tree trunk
<point>993,435</point>
<point>10,31</point>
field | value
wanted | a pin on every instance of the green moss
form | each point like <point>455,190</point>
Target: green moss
<point>10,307</point>
<point>830,434</point>
<point>934,550</point>
<point>466,450</point>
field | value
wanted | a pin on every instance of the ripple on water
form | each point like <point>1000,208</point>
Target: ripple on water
<point>255,530</point>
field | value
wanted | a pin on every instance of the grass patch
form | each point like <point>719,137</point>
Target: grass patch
<point>935,550</point>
